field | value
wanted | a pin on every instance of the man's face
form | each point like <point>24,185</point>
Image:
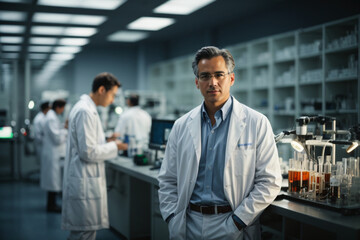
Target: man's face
<point>107,97</point>
<point>216,87</point>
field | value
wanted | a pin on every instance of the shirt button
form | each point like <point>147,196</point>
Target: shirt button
<point>212,131</point>
<point>210,148</point>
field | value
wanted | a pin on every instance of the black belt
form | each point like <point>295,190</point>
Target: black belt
<point>210,209</point>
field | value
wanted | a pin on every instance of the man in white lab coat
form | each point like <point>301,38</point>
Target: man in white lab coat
<point>53,142</point>
<point>84,196</point>
<point>38,127</point>
<point>134,125</point>
<point>221,167</point>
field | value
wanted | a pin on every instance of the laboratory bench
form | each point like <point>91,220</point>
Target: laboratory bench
<point>134,210</point>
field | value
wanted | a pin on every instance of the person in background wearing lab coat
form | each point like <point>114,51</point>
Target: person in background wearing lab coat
<point>221,167</point>
<point>38,128</point>
<point>134,125</point>
<point>50,170</point>
<point>85,196</point>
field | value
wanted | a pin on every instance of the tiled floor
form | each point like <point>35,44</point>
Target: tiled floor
<point>23,214</point>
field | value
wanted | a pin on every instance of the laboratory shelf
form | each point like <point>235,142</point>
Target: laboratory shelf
<point>341,50</point>
<point>311,70</point>
<point>342,79</point>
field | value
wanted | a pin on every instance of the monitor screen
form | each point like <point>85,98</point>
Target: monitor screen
<point>160,130</point>
<point>6,132</point>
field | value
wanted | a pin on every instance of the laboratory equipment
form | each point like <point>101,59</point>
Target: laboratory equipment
<point>320,179</point>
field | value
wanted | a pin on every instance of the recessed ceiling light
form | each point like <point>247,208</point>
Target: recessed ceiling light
<point>67,49</point>
<point>68,18</point>
<point>40,48</point>
<point>67,31</point>
<point>11,48</point>
<point>150,23</point>
<point>12,16</point>
<point>12,29</point>
<point>43,40</point>
<point>10,55</point>
<point>73,41</point>
<point>182,7</point>
<point>11,40</point>
<point>63,57</point>
<point>108,4</point>
<point>37,56</point>
<point>127,36</point>
<point>42,30</point>
<point>82,32</point>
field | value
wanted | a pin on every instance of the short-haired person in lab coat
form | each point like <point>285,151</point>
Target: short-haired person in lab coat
<point>53,143</point>
<point>38,127</point>
<point>84,196</point>
<point>221,167</point>
<point>134,125</point>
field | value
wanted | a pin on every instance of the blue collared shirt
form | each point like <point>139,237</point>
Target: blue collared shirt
<point>209,187</point>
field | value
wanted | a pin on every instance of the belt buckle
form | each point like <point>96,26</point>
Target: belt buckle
<point>204,207</point>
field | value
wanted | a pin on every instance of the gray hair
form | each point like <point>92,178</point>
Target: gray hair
<point>210,52</point>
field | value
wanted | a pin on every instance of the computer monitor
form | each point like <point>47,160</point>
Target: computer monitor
<point>160,130</point>
<point>6,132</point>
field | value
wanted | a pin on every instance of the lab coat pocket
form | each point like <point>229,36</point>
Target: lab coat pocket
<point>94,189</point>
<point>244,161</point>
<point>76,188</point>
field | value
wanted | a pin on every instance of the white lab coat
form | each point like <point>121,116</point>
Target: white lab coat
<point>84,195</point>
<point>53,141</point>
<point>136,123</point>
<point>252,177</point>
<point>38,131</point>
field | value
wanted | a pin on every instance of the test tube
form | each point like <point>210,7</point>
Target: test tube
<point>290,175</point>
<point>327,173</point>
<point>305,175</point>
<point>334,184</point>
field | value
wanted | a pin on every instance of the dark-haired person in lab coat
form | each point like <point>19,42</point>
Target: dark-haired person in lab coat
<point>221,166</point>
<point>85,196</point>
<point>38,127</point>
<point>134,125</point>
<point>54,141</point>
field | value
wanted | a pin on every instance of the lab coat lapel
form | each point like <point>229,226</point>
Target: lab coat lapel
<point>236,128</point>
<point>194,126</point>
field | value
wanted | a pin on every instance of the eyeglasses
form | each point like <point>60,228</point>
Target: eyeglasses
<point>204,77</point>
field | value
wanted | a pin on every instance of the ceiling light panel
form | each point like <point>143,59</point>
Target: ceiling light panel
<point>150,23</point>
<point>16,1</point>
<point>93,4</point>
<point>14,40</point>
<point>127,36</point>
<point>67,31</point>
<point>67,49</point>
<point>40,48</point>
<point>182,7</point>
<point>42,30</point>
<point>11,48</point>
<point>73,41</point>
<point>37,56</point>
<point>62,57</point>
<point>12,16</point>
<point>81,32</point>
<point>69,18</point>
<point>43,41</point>
<point>10,55</point>
<point>12,29</point>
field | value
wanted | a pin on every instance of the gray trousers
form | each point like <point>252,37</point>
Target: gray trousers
<point>82,235</point>
<point>211,226</point>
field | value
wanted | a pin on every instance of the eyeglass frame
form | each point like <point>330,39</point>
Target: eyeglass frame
<point>212,75</point>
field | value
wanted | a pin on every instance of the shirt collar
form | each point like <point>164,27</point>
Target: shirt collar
<point>224,111</point>
<point>87,98</point>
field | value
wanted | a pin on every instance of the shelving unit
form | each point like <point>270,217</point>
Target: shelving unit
<point>303,72</point>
